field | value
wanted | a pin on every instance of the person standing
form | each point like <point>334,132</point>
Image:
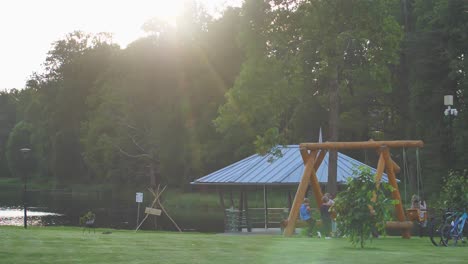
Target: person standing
<point>330,204</point>
<point>325,216</point>
<point>305,215</point>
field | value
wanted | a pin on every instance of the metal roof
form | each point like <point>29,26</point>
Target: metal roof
<point>285,170</point>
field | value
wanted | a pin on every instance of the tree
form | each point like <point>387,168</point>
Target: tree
<point>436,51</point>
<point>353,206</point>
<point>454,195</point>
<point>324,56</point>
<point>20,137</point>
<point>72,67</point>
<point>8,102</point>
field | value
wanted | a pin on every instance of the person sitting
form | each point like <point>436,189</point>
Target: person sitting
<point>420,205</point>
<point>305,215</point>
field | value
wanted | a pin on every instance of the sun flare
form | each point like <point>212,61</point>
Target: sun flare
<point>167,10</point>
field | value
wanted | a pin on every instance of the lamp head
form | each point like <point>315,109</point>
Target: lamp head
<point>25,150</point>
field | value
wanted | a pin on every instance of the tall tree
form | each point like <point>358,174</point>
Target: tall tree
<point>298,50</point>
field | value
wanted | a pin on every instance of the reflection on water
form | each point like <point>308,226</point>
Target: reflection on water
<point>15,217</point>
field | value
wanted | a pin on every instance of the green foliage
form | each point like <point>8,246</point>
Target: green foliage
<point>87,217</point>
<point>189,99</point>
<point>352,206</point>
<point>20,137</point>
<point>454,195</point>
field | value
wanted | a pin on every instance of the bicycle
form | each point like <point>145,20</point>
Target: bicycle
<point>434,226</point>
<point>454,229</point>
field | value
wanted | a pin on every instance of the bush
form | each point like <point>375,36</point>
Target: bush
<point>354,218</point>
<point>86,217</point>
<point>454,193</point>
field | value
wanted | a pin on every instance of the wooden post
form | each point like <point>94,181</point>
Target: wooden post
<point>221,202</point>
<point>299,197</point>
<point>314,183</point>
<point>378,176</point>
<point>265,205</point>
<point>246,206</point>
<point>316,190</point>
<point>395,193</point>
<point>241,208</point>
<point>232,199</point>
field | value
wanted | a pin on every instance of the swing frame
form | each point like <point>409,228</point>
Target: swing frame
<point>313,155</point>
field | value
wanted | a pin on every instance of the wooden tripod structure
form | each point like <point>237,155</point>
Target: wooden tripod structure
<point>313,155</point>
<point>155,211</point>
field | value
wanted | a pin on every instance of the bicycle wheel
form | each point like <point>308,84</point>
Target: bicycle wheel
<point>434,231</point>
<point>449,234</point>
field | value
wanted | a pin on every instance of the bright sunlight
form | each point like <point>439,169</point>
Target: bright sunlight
<point>46,21</point>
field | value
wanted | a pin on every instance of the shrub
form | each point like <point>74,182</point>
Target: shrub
<point>454,193</point>
<point>88,216</point>
<point>354,218</point>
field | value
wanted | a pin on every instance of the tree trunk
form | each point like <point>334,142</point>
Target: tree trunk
<point>333,134</point>
<point>152,174</point>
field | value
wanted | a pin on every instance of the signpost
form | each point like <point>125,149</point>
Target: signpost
<point>139,200</point>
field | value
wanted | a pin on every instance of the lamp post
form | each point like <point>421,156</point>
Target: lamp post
<point>25,152</point>
<point>450,113</point>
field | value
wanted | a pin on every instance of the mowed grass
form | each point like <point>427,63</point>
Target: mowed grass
<point>70,245</point>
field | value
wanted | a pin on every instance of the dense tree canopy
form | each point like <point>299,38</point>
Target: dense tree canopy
<point>190,98</point>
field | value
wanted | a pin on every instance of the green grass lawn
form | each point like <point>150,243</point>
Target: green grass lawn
<point>70,245</point>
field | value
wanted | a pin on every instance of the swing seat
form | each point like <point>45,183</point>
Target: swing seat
<point>416,215</point>
<point>412,214</point>
<point>405,225</point>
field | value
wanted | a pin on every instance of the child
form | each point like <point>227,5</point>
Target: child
<point>304,214</point>
<point>325,216</point>
<point>330,203</point>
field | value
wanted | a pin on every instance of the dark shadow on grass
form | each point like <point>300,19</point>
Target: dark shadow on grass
<point>366,248</point>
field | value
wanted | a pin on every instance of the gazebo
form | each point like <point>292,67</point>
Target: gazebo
<point>268,172</point>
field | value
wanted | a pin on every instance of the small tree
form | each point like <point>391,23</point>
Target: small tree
<point>454,193</point>
<point>352,206</point>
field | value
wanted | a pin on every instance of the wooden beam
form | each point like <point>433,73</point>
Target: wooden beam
<point>223,206</point>
<point>265,205</point>
<point>314,182</point>
<point>396,168</point>
<point>395,193</point>
<point>290,200</point>
<point>316,188</point>
<point>231,198</point>
<point>299,197</point>
<point>378,176</point>
<point>304,154</point>
<point>320,158</point>
<point>246,206</point>
<point>363,144</point>
<point>241,208</point>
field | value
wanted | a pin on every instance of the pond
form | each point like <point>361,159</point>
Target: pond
<point>113,209</point>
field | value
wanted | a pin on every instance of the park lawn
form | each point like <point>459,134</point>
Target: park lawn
<point>70,245</point>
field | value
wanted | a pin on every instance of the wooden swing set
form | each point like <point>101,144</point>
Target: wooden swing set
<point>313,155</point>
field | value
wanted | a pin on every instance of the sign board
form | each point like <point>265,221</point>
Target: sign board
<point>139,197</point>
<point>152,211</point>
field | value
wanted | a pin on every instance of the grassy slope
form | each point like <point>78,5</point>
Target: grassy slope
<point>70,245</point>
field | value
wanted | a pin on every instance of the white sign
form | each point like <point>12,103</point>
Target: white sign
<point>139,197</point>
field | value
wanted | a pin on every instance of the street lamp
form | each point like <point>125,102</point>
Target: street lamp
<point>448,101</point>
<point>25,152</point>
<point>450,113</point>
